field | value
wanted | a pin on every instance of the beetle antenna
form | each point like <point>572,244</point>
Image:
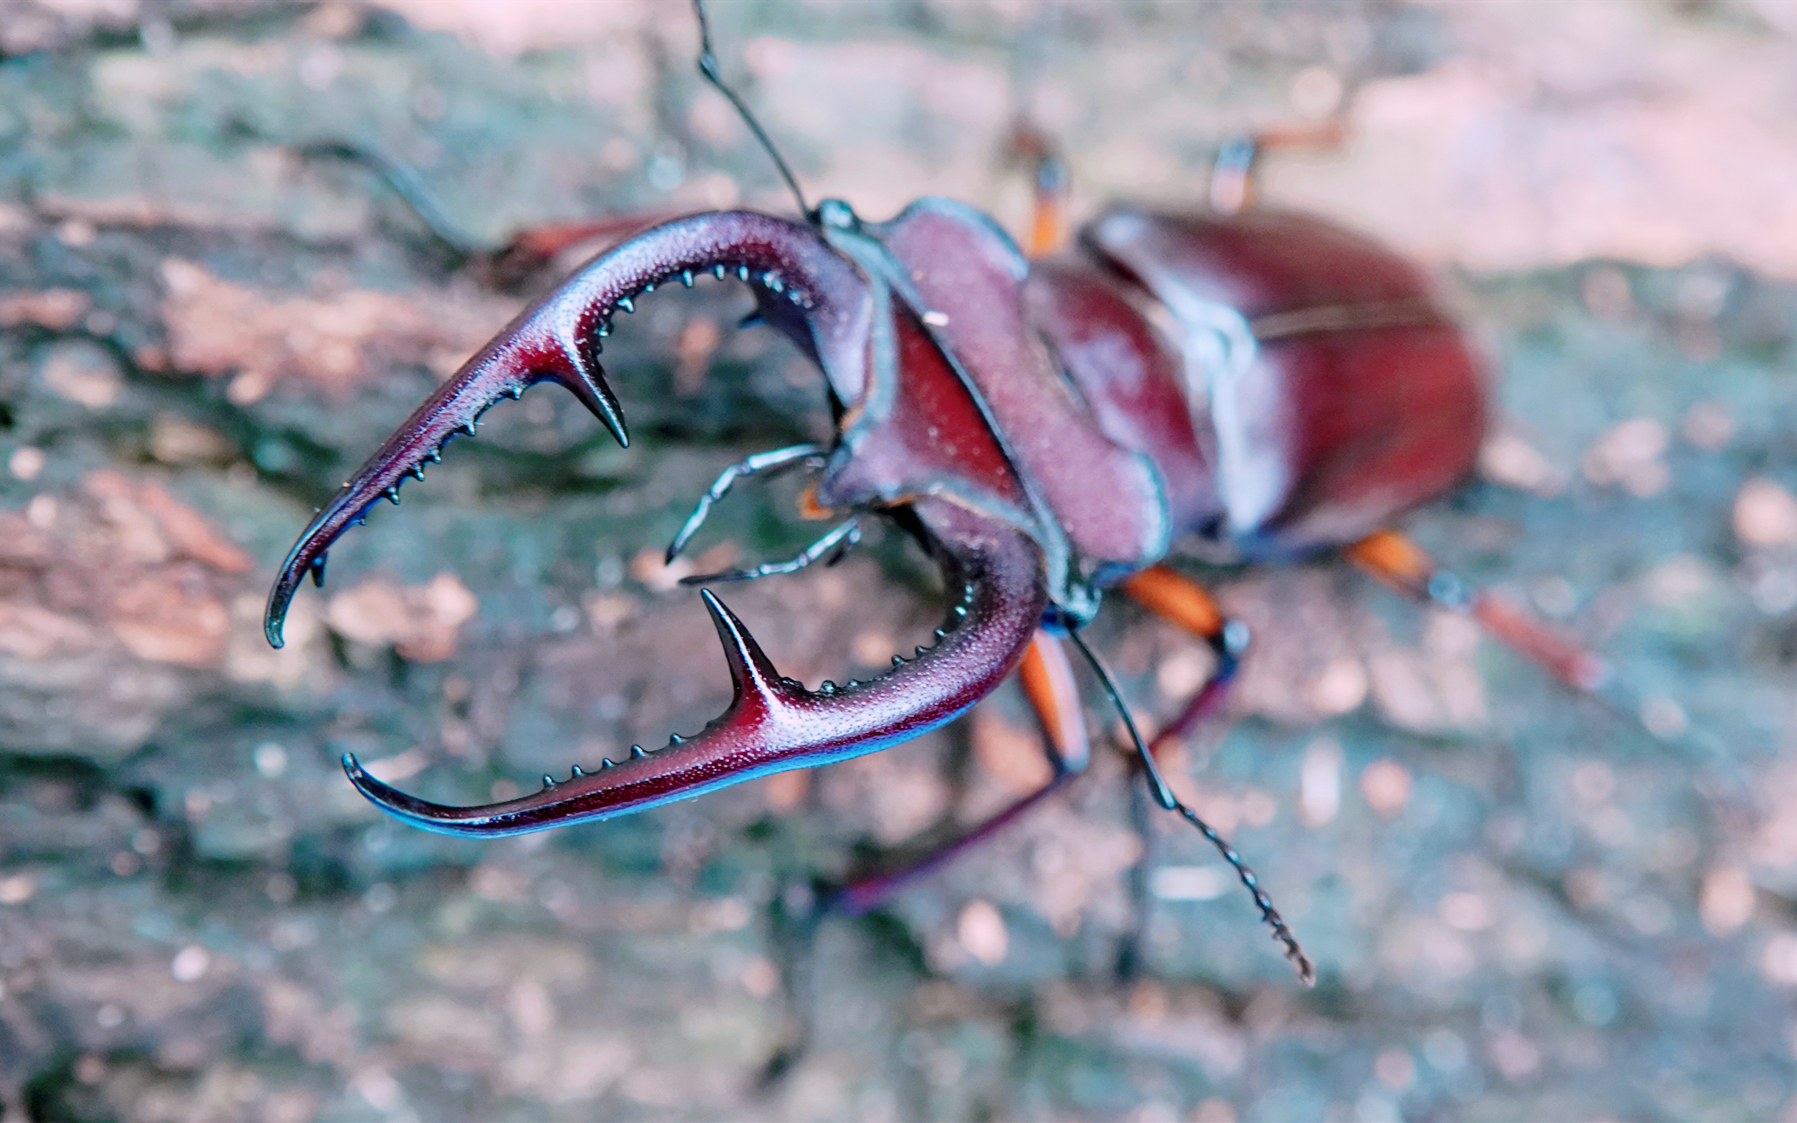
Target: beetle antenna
<point>1163,795</point>
<point>708,66</point>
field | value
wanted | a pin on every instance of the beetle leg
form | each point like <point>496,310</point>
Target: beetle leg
<point>1232,175</point>
<point>1163,795</point>
<point>830,549</point>
<point>1228,646</point>
<point>1180,600</point>
<point>404,181</point>
<point>762,462</point>
<point>1401,565</point>
<point>1048,180</point>
<point>528,250</point>
<point>536,247</point>
<point>1047,679</point>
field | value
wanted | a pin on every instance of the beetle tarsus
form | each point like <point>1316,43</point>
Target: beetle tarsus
<point>758,464</point>
<point>829,548</point>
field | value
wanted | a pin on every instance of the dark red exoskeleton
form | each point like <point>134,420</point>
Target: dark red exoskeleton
<point>1047,430</point>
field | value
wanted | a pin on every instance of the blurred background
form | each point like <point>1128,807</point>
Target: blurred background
<point>1522,905</point>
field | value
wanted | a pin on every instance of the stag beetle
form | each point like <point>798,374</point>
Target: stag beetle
<point>1046,429</point>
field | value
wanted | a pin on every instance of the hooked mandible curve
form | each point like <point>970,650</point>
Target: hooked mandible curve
<point>560,337</point>
<point>774,724</point>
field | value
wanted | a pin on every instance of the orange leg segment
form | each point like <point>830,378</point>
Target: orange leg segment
<point>1180,600</point>
<point>1047,678</point>
<point>1048,217</point>
<point>1048,173</point>
<point>1175,597</point>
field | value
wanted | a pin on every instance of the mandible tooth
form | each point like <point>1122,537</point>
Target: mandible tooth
<point>751,672</point>
<point>686,277</point>
<point>626,304</point>
<point>589,385</point>
<point>637,753</point>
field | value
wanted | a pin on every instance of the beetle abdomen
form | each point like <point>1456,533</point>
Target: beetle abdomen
<point>1337,391</point>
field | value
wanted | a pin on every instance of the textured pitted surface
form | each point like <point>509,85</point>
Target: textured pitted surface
<point>1520,907</point>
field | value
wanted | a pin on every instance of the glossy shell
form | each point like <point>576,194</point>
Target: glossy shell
<point>1297,386</point>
